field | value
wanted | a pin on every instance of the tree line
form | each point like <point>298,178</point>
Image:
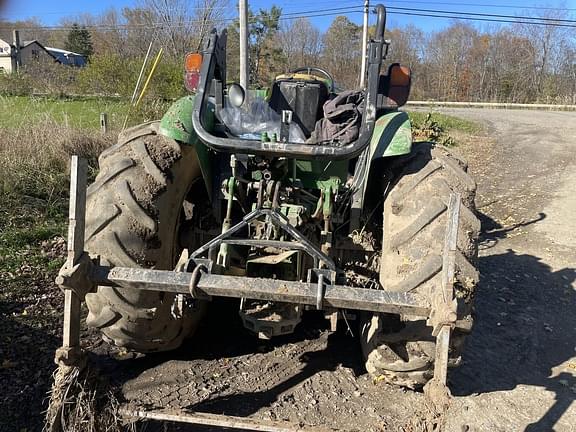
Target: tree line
<point>462,62</point>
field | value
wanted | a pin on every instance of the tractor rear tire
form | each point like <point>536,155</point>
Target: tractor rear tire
<point>133,212</point>
<point>400,349</point>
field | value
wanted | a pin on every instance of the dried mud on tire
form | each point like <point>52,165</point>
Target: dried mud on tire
<point>133,211</point>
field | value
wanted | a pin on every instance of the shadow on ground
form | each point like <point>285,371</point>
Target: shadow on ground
<point>525,328</point>
<point>26,366</point>
<point>222,336</point>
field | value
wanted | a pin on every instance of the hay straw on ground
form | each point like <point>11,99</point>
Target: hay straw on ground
<point>81,400</point>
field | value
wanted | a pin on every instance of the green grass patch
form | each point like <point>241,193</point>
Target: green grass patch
<point>441,129</point>
<point>82,113</point>
<point>18,238</point>
<point>77,112</point>
<point>447,122</point>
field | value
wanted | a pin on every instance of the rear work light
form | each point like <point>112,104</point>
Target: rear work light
<point>192,64</point>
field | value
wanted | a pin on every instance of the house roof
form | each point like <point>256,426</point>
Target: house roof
<point>24,44</point>
<point>59,55</point>
<point>67,57</point>
<point>63,52</point>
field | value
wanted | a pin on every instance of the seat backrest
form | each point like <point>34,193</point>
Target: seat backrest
<point>304,95</point>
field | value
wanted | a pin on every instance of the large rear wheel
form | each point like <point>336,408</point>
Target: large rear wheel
<point>401,349</point>
<point>134,208</point>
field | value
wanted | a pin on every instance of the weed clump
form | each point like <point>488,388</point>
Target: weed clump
<point>430,129</point>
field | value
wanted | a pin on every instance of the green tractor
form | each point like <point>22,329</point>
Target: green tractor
<point>329,206</point>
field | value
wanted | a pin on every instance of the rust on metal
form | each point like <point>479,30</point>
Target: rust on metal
<point>443,314</point>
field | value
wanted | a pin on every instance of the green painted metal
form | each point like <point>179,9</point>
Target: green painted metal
<point>223,259</point>
<point>177,124</point>
<point>313,174</point>
<point>294,213</point>
<point>260,93</point>
<point>328,192</point>
<point>392,136</point>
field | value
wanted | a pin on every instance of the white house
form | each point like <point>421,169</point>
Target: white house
<point>30,51</point>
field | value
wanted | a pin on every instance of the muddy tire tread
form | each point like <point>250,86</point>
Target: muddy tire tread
<point>414,226</point>
<point>129,224</point>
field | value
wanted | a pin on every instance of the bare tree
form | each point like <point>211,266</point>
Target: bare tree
<point>341,53</point>
<point>182,25</point>
<point>301,43</point>
<point>550,43</point>
<point>515,63</point>
<point>448,53</point>
<point>408,47</point>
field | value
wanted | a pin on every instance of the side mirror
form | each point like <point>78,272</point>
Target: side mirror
<point>236,95</point>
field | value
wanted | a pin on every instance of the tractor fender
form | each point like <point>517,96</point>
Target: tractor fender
<point>392,136</point>
<point>177,124</point>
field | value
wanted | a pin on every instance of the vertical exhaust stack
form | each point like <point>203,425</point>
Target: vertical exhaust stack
<point>243,11</point>
<point>364,44</point>
<point>16,54</point>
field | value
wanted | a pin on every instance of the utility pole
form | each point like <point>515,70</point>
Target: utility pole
<point>243,10</point>
<point>16,54</point>
<point>364,44</point>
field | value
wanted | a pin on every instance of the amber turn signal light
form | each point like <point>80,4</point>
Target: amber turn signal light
<point>192,62</point>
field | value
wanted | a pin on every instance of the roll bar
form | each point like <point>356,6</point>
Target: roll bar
<point>212,75</point>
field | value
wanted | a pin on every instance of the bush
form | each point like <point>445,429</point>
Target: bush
<point>39,78</point>
<point>112,74</point>
<point>107,74</point>
<point>168,81</point>
<point>15,84</point>
<point>51,78</point>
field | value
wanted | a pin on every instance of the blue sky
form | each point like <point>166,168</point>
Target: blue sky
<point>50,12</point>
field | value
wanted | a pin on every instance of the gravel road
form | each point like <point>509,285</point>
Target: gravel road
<point>519,370</point>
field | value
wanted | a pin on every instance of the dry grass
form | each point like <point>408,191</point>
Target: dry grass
<point>34,160</point>
<point>81,400</point>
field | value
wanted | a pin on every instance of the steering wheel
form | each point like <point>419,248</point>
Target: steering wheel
<point>324,72</point>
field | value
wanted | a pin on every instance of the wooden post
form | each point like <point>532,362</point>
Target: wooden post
<point>70,352</point>
<point>104,122</point>
<point>17,54</point>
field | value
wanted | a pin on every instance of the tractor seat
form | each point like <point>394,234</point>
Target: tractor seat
<point>302,93</point>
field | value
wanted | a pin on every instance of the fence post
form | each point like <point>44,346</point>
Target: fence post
<point>104,122</point>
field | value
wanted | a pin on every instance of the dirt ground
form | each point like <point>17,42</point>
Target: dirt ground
<point>519,369</point>
<point>519,372</point>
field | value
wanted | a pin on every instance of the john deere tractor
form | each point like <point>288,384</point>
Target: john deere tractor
<point>303,199</point>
